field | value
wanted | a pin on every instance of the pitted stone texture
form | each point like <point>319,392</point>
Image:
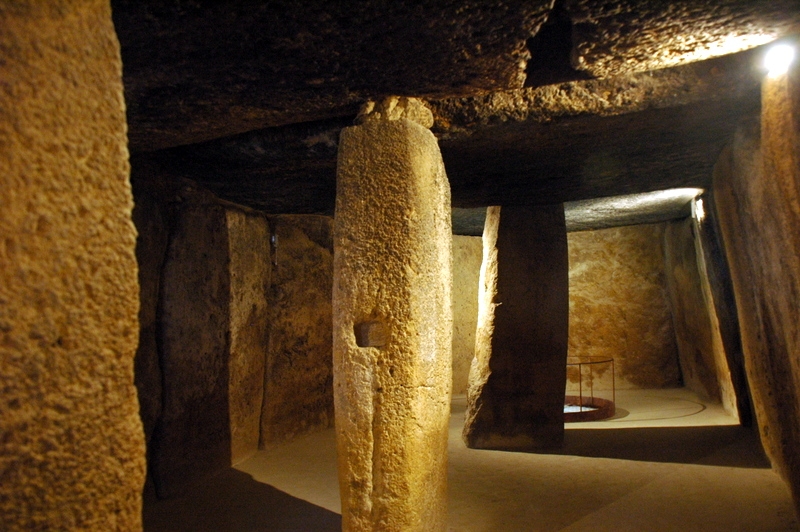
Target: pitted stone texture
<point>515,399</point>
<point>298,382</point>
<point>613,37</point>
<point>755,187</point>
<point>619,304</point>
<point>72,445</point>
<point>395,108</point>
<point>467,256</point>
<point>195,72</point>
<point>392,266</point>
<point>703,360</point>
<point>250,269</point>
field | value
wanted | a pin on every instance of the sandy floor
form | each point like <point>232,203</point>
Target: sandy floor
<point>665,462</point>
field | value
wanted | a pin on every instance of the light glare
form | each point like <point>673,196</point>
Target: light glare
<point>699,211</point>
<point>778,59</point>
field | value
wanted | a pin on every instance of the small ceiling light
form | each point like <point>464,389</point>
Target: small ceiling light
<point>778,59</point>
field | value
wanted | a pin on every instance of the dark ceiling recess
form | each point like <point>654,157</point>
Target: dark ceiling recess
<point>551,52</point>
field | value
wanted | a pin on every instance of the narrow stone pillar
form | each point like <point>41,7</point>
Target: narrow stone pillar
<point>392,321</point>
<point>71,440</point>
<point>515,399</point>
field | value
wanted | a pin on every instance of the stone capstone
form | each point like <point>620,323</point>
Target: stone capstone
<point>613,37</point>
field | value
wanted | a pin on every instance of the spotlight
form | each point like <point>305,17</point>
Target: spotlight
<point>698,210</point>
<point>778,59</point>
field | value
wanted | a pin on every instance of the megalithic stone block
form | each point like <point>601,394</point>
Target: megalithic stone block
<point>515,398</point>
<point>392,321</point>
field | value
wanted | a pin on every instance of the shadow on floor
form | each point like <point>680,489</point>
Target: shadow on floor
<point>685,445</point>
<point>233,501</point>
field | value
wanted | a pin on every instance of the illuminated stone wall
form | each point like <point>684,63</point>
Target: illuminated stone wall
<point>298,381</point>
<point>619,305</point>
<point>755,187</point>
<point>467,256</point>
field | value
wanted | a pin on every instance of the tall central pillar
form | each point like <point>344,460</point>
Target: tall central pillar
<point>515,399</point>
<point>392,321</point>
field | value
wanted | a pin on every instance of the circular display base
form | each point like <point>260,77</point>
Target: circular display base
<point>595,409</point>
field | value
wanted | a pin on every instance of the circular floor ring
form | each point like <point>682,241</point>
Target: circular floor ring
<point>595,409</point>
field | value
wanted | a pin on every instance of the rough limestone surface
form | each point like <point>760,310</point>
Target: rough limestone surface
<point>298,382</point>
<point>613,37</point>
<point>72,445</point>
<point>392,327</point>
<point>249,269</point>
<point>619,304</point>
<point>193,438</point>
<point>198,71</point>
<point>515,399</point>
<point>703,360</point>
<point>755,187</point>
<point>467,256</point>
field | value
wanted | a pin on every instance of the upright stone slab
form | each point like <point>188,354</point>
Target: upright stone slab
<point>250,271</point>
<point>71,441</point>
<point>392,321</point>
<point>758,198</point>
<point>515,399</point>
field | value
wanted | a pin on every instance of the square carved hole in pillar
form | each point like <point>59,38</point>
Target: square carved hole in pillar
<point>370,334</point>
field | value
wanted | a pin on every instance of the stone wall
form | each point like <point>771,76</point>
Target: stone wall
<point>205,270</point>
<point>250,276</point>
<point>703,360</point>
<point>755,187</point>
<point>467,256</point>
<point>72,446</point>
<point>619,305</point>
<point>298,382</point>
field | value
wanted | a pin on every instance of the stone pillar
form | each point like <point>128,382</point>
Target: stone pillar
<point>392,321</point>
<point>71,441</point>
<point>515,399</point>
<point>758,197</point>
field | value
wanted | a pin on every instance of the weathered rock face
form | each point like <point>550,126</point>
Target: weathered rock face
<point>632,36</point>
<point>298,383</point>
<point>619,305</point>
<point>590,138</point>
<point>755,188</point>
<point>241,66</point>
<point>249,270</point>
<point>703,359</point>
<point>515,399</point>
<point>72,446</point>
<point>392,323</point>
<point>207,272</point>
<point>467,256</point>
